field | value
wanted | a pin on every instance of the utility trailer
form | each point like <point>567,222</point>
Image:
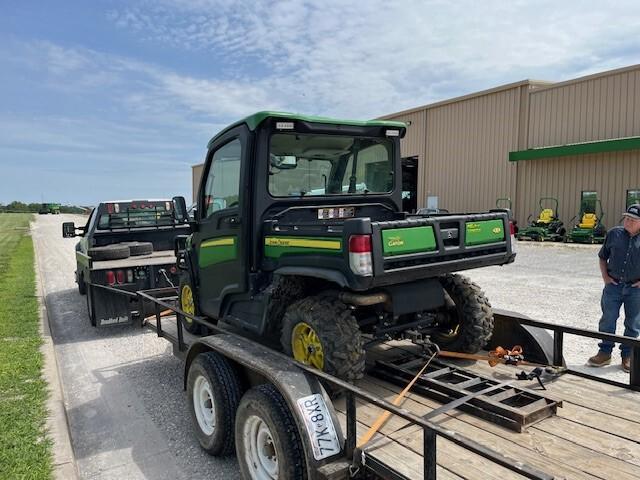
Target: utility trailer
<point>285,425</point>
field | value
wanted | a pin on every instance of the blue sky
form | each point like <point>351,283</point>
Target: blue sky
<point>103,99</point>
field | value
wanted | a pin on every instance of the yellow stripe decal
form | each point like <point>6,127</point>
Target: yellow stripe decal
<point>218,242</point>
<point>301,242</point>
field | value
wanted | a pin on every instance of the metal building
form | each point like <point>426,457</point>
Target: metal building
<point>528,140</point>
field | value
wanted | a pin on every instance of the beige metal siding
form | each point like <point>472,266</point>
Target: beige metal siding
<point>413,142</point>
<point>196,174</point>
<point>467,142</point>
<point>598,108</point>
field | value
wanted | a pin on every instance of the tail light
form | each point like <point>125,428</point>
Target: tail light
<point>111,278</point>
<point>360,258</point>
<point>129,276</point>
<point>512,230</point>
<point>120,276</point>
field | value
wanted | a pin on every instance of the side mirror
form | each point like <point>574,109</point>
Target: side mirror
<point>68,230</point>
<point>180,210</point>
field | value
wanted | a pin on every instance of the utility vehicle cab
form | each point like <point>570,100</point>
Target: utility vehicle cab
<point>299,232</point>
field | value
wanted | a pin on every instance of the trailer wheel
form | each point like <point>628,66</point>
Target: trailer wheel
<point>92,317</point>
<point>469,323</point>
<point>213,392</point>
<point>109,252</point>
<point>268,443</point>
<point>322,332</point>
<point>189,304</point>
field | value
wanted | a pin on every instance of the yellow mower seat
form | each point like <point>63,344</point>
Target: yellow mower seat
<point>589,220</point>
<point>546,215</point>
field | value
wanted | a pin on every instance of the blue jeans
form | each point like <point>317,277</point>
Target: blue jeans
<point>613,297</point>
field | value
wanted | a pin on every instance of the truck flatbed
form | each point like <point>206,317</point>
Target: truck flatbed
<point>596,433</point>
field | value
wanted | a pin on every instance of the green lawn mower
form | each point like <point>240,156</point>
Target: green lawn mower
<point>590,229</point>
<point>547,227</point>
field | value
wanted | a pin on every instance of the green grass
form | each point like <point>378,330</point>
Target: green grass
<point>25,450</point>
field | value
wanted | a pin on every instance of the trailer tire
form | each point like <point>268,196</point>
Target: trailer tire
<point>332,337</point>
<point>109,252</point>
<point>213,393</point>
<point>471,324</point>
<point>264,426</point>
<point>92,317</point>
<point>189,304</point>
<point>139,248</point>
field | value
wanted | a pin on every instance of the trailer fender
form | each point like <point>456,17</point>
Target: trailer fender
<point>260,365</point>
<point>536,342</point>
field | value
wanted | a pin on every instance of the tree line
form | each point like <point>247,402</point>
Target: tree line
<point>21,207</point>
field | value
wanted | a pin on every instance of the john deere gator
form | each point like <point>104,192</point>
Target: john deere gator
<point>299,236</point>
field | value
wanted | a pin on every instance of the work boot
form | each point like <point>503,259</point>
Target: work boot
<point>626,364</point>
<point>599,360</point>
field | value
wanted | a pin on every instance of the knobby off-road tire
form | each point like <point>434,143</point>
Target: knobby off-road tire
<point>337,331</point>
<point>268,443</point>
<point>284,291</point>
<point>139,248</point>
<point>214,390</point>
<point>471,316</point>
<point>109,252</point>
<point>185,291</point>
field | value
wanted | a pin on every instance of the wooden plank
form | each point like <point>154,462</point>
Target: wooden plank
<point>538,448</point>
<point>400,458</point>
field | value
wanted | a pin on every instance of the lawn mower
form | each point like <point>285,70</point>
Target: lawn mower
<point>547,227</point>
<point>590,229</point>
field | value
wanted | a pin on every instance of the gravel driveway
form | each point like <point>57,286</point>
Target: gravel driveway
<point>122,386</point>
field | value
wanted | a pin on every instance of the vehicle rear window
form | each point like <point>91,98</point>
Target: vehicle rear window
<point>138,216</point>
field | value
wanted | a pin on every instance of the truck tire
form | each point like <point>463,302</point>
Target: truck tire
<point>213,394</point>
<point>322,332</point>
<point>284,290</point>
<point>470,324</point>
<point>82,285</point>
<point>109,252</point>
<point>92,317</point>
<point>139,248</point>
<point>268,442</point>
<point>188,304</point>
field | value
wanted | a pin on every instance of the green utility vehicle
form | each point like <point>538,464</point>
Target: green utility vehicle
<point>299,235</point>
<point>53,208</point>
<point>547,227</point>
<point>590,228</point>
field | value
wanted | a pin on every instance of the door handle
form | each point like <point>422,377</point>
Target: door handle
<point>233,220</point>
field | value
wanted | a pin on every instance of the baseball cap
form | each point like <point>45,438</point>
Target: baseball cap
<point>633,211</point>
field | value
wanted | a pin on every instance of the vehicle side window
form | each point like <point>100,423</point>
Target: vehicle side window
<point>222,189</point>
<point>90,221</point>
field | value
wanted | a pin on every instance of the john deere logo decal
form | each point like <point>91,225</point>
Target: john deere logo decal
<point>395,242</point>
<point>496,230</point>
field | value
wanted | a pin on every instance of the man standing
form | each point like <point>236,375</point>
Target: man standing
<point>620,269</point>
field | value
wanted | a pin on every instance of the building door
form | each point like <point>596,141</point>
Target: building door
<point>410,184</point>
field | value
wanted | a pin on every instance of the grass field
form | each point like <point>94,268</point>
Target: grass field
<point>25,451</point>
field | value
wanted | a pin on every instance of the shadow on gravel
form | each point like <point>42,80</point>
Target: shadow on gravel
<point>70,322</point>
<point>158,385</point>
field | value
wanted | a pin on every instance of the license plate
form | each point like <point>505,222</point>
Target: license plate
<point>320,429</point>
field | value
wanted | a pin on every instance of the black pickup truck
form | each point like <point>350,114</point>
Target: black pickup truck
<point>125,246</point>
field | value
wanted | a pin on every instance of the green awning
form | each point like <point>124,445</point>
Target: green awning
<point>600,146</point>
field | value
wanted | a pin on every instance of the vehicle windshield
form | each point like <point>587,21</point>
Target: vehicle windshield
<point>313,165</point>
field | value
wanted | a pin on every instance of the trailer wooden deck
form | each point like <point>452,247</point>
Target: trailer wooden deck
<point>596,433</point>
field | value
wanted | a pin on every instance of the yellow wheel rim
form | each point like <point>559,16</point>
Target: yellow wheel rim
<point>306,346</point>
<point>186,302</point>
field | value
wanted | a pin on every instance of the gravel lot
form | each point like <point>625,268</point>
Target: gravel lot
<point>123,388</point>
